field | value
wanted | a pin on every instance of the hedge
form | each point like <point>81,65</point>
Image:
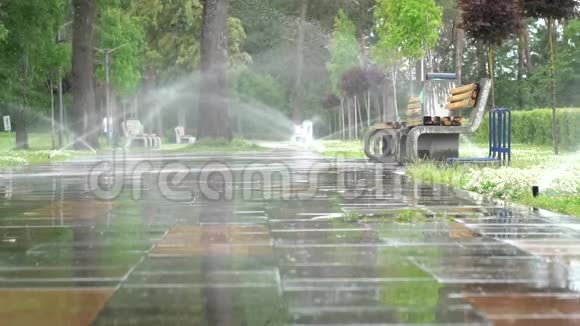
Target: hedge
<point>535,128</point>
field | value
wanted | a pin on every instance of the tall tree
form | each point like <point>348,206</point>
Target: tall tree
<point>459,38</point>
<point>83,85</point>
<point>29,55</point>
<point>344,55</point>
<point>492,22</point>
<point>214,120</point>
<point>344,52</point>
<point>408,27</point>
<point>171,51</point>
<point>551,11</point>
<point>122,32</point>
<point>523,61</point>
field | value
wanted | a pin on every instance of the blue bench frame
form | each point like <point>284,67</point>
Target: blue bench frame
<point>500,139</point>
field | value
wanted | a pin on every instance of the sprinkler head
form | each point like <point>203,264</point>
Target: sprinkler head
<point>536,191</point>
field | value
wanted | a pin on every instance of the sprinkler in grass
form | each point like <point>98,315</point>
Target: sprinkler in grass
<point>536,191</point>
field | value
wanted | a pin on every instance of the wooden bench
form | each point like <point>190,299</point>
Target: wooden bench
<point>464,97</point>
<point>442,142</point>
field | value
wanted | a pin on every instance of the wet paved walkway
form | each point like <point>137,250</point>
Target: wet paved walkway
<point>320,243</point>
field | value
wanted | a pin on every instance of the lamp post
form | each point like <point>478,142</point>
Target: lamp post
<point>110,123</point>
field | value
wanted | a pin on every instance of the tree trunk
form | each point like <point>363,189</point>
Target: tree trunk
<point>358,111</point>
<point>525,34</point>
<point>349,113</point>
<point>368,104</point>
<point>459,48</point>
<point>389,103</point>
<point>419,71</point>
<point>521,66</point>
<point>355,104</point>
<point>416,83</point>
<point>492,74</point>
<point>342,129</point>
<point>551,31</point>
<point>385,91</point>
<point>154,122</point>
<point>377,104</point>
<point>83,85</point>
<point>336,124</point>
<point>395,99</point>
<point>20,114</point>
<point>482,60</point>
<point>20,128</point>
<point>214,121</point>
<point>298,93</point>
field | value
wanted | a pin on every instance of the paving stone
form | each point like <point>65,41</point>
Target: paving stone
<point>359,244</point>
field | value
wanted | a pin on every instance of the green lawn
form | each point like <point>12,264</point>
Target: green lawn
<point>557,176</point>
<point>342,149</point>
<point>36,140</point>
<point>40,151</point>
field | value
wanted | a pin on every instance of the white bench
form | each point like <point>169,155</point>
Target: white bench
<point>134,131</point>
<point>182,138</point>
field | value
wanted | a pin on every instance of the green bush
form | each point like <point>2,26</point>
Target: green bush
<point>535,128</point>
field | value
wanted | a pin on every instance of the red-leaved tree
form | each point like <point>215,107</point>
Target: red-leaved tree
<point>492,22</point>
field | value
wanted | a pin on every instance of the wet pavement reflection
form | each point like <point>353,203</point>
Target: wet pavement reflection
<point>289,239</point>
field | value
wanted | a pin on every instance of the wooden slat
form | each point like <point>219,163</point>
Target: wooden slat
<point>461,97</point>
<point>414,100</point>
<point>469,103</point>
<point>386,125</point>
<point>463,89</point>
<point>414,111</point>
<point>414,122</point>
<point>413,106</point>
<point>380,126</point>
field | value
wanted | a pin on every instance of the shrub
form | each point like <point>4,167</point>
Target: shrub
<point>535,128</point>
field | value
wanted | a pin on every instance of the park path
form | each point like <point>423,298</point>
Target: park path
<point>306,241</point>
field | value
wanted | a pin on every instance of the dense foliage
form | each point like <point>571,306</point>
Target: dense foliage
<point>408,27</point>
<point>554,9</point>
<point>344,50</point>
<point>338,48</point>
<point>534,127</point>
<point>490,20</point>
<point>124,32</point>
